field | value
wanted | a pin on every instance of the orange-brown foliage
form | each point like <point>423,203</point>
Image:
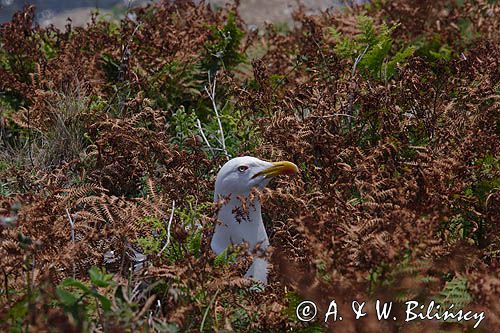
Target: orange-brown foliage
<point>386,166</point>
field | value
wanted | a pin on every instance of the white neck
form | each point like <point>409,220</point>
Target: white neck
<point>240,225</point>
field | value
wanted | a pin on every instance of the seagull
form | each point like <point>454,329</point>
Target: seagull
<point>239,217</point>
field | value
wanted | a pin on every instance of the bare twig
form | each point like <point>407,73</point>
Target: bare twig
<point>198,123</point>
<point>168,228</point>
<point>351,94</point>
<point>72,224</point>
<point>211,94</point>
<point>358,59</point>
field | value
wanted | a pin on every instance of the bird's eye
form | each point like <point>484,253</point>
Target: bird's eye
<point>242,168</point>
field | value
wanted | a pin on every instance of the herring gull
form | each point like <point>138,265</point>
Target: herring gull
<point>233,186</point>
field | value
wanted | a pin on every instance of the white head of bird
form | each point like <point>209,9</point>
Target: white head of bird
<point>236,180</point>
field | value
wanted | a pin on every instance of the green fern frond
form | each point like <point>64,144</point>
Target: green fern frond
<point>455,292</point>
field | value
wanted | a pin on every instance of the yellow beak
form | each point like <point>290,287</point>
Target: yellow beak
<point>279,168</point>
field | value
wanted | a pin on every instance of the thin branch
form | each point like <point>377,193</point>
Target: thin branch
<point>198,123</point>
<point>211,95</point>
<point>351,94</point>
<point>219,142</point>
<point>168,228</point>
<point>72,224</point>
<point>358,59</point>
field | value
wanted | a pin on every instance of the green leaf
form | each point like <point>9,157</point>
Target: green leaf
<point>67,298</point>
<point>221,258</point>
<point>368,35</point>
<point>400,57</point>
<point>373,59</point>
<point>224,48</point>
<point>70,282</point>
<point>194,243</point>
<point>99,277</point>
<point>19,310</point>
<point>105,302</point>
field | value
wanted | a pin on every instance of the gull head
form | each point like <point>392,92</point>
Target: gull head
<point>242,174</point>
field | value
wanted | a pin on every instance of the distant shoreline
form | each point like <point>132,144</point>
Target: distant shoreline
<point>253,12</point>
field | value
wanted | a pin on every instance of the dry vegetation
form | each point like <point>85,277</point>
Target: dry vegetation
<point>390,110</point>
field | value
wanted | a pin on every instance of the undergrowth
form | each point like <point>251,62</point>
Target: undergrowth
<point>112,135</point>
